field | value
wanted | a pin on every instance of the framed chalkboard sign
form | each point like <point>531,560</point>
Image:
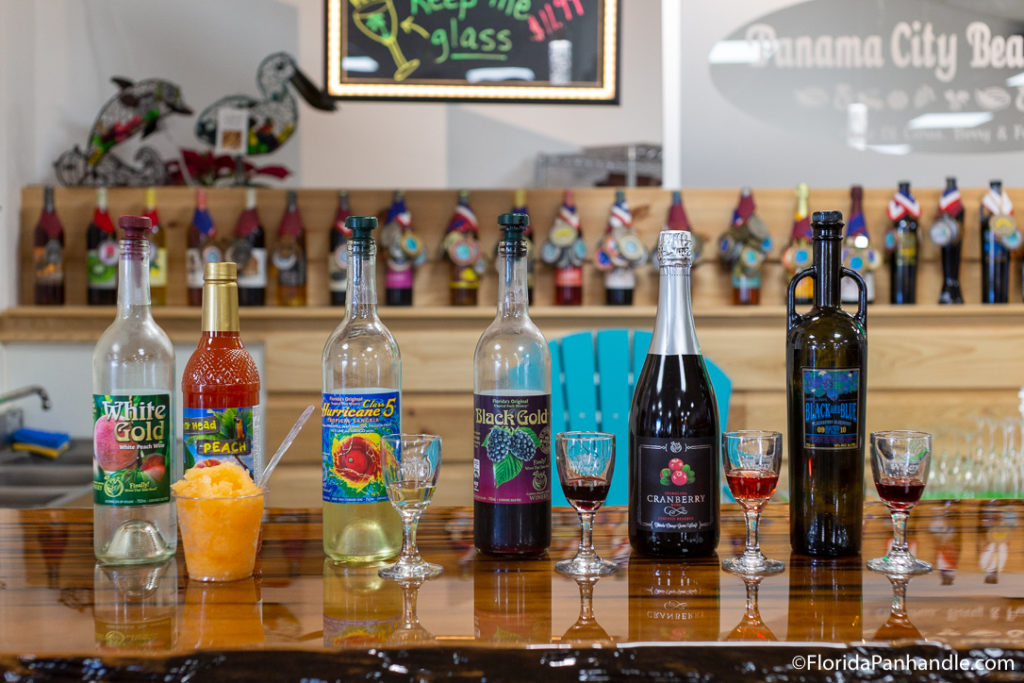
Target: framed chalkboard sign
<point>481,50</point>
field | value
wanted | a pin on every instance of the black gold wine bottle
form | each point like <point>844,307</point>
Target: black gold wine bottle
<point>511,415</point>
<point>673,425</point>
<point>902,244</point>
<point>826,363</point>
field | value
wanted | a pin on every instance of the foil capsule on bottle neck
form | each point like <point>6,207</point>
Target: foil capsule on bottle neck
<point>675,248</point>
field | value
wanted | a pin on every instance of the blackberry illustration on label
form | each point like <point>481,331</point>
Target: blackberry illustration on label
<point>512,460</point>
<point>131,449</point>
<point>353,425</point>
<point>216,435</point>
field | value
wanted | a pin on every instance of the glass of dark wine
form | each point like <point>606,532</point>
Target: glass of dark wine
<point>585,462</point>
<point>411,464</point>
<point>752,459</point>
<point>899,464</point>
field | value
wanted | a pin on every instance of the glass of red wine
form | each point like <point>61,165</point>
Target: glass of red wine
<point>585,462</point>
<point>899,464</point>
<point>752,459</point>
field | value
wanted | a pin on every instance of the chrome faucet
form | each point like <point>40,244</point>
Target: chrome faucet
<point>27,391</point>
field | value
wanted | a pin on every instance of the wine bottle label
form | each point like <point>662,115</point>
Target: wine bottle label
<point>571,276</point>
<point>157,266</point>
<point>353,425</point>
<point>905,251</point>
<point>337,268</point>
<point>101,264</point>
<point>831,398</point>
<point>676,477</point>
<point>194,261</point>
<point>49,263</point>
<point>511,448</point>
<point>216,435</point>
<point>252,271</point>
<point>131,449</point>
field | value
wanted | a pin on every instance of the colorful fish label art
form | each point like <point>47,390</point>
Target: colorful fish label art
<point>353,426</point>
<point>216,435</point>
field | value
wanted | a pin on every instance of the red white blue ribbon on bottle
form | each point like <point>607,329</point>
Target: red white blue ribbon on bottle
<point>950,203</point>
<point>620,212</point>
<point>464,220</point>
<point>997,203</point>
<point>743,210</point>
<point>398,213</point>
<point>902,205</point>
<point>202,220</point>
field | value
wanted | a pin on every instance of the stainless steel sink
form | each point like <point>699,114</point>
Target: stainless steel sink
<point>28,480</point>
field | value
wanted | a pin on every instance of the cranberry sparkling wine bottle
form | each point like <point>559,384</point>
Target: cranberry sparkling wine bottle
<point>826,362</point>
<point>511,411</point>
<point>673,425</point>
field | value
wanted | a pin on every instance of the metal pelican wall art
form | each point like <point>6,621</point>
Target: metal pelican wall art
<point>137,109</point>
<point>272,119</point>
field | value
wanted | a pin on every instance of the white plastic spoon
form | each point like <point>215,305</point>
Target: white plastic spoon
<point>285,445</point>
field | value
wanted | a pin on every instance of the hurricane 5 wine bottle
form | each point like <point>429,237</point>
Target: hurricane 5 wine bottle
<point>673,425</point>
<point>511,414</point>
<point>362,402</point>
<point>826,362</point>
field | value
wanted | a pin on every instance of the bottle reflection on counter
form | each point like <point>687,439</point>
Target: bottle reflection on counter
<point>825,599</point>
<point>360,608</point>
<point>135,607</point>
<point>947,541</point>
<point>511,601</point>
<point>672,601</point>
<point>996,520</point>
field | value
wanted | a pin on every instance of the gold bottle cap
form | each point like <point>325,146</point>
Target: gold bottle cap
<point>224,271</point>
<point>220,297</point>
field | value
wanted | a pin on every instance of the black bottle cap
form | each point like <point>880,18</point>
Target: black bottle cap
<point>513,224</point>
<point>361,226</point>
<point>904,186</point>
<point>950,181</point>
<point>996,184</point>
<point>827,224</point>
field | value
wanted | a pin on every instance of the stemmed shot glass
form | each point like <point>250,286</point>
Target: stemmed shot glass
<point>899,465</point>
<point>751,460</point>
<point>585,462</point>
<point>411,463</point>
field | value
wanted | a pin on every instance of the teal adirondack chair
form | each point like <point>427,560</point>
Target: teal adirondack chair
<point>592,381</point>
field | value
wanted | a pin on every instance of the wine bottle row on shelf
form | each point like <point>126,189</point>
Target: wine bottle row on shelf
<point>742,249</point>
<point>673,423</point>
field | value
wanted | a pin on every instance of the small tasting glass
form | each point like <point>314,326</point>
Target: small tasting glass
<point>585,462</point>
<point>752,460</point>
<point>899,464</point>
<point>411,464</point>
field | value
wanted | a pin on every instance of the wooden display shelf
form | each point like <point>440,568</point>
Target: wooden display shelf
<point>931,367</point>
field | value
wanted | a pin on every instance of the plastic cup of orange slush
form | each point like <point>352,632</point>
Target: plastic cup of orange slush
<point>220,511</point>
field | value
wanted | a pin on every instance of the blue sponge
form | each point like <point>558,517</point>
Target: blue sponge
<point>50,444</point>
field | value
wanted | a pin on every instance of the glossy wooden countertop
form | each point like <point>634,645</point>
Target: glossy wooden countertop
<point>57,604</point>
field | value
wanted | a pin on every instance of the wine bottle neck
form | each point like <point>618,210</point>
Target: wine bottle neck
<point>220,306</point>
<point>133,299</point>
<point>361,297</point>
<point>674,332</point>
<point>512,288</point>
<point>827,266</point>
